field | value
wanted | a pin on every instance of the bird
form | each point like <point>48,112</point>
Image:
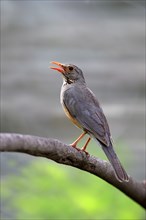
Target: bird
<point>83,109</point>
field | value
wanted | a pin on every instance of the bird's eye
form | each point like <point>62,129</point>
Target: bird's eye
<point>70,68</point>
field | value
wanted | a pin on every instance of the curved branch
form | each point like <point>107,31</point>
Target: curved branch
<point>64,154</point>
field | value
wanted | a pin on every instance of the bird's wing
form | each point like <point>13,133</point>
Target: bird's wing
<point>86,110</point>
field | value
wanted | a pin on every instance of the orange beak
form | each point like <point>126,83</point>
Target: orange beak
<point>61,69</point>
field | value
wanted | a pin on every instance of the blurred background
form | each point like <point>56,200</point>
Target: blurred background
<point>107,41</point>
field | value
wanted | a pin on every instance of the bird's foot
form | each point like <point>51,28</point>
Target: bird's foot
<point>74,146</point>
<point>82,149</point>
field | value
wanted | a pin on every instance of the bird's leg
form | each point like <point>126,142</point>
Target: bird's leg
<point>74,144</point>
<point>85,146</point>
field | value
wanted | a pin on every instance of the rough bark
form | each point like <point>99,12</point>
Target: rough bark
<point>64,154</point>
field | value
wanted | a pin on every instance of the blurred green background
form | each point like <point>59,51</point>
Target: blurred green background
<point>107,41</point>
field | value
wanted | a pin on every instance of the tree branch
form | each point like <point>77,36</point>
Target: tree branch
<point>64,154</point>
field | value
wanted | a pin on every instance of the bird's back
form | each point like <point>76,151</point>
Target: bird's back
<point>82,105</point>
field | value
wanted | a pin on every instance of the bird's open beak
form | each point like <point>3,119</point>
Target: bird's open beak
<point>61,69</point>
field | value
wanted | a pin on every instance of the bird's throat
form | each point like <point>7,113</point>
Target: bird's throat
<point>67,80</point>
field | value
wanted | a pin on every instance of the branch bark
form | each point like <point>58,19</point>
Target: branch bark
<point>64,154</point>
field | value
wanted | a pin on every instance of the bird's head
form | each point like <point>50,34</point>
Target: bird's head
<point>70,72</point>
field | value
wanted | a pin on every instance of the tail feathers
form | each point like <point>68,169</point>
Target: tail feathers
<point>119,170</point>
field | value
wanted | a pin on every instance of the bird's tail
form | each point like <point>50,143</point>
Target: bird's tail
<point>119,170</point>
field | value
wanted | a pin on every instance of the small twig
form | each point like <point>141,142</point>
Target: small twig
<point>64,154</point>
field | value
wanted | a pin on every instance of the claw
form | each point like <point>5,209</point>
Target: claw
<point>85,152</point>
<point>82,149</point>
<point>74,146</point>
